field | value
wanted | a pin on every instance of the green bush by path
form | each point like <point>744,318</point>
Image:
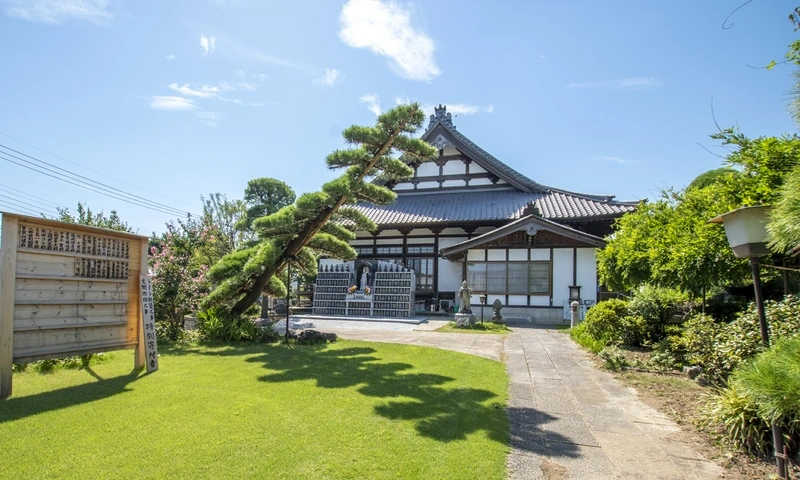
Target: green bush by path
<point>347,410</point>
<point>760,392</point>
<point>720,347</point>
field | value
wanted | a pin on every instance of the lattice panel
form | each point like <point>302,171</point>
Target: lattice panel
<point>54,240</point>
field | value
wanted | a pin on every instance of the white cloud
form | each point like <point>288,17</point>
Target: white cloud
<point>210,118</point>
<point>612,159</point>
<point>373,104</point>
<point>242,51</point>
<point>59,11</point>
<point>231,86</point>
<point>205,91</point>
<point>171,103</point>
<point>538,55</point>
<point>385,28</point>
<point>490,109</point>
<point>170,57</point>
<point>329,79</point>
<point>208,44</point>
<point>631,83</point>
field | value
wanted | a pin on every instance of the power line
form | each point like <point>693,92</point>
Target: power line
<point>95,171</point>
<point>13,191</point>
<point>100,185</point>
<point>47,210</point>
<point>57,205</point>
<point>87,187</point>
<point>24,210</point>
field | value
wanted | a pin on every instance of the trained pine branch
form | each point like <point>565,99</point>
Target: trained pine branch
<point>322,223</point>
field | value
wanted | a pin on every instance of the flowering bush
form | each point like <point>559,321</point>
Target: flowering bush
<point>352,289</point>
<point>367,291</point>
<point>179,281</point>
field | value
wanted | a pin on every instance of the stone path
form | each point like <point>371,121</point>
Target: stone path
<point>568,419</point>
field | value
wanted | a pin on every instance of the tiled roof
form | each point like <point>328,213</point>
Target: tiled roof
<point>503,205</point>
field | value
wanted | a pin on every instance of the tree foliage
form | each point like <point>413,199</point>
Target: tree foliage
<point>670,243</point>
<point>784,225</point>
<point>312,225</point>
<point>224,216</point>
<point>179,273</point>
<point>264,196</point>
<point>86,217</point>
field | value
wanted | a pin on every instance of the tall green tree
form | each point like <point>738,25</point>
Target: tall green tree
<point>264,196</point>
<point>318,222</point>
<point>670,243</point>
<point>223,216</point>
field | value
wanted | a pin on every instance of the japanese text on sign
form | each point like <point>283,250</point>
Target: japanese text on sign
<point>148,323</point>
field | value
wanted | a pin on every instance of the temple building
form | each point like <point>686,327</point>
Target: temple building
<point>467,215</point>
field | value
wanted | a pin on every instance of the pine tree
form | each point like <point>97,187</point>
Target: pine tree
<point>321,223</point>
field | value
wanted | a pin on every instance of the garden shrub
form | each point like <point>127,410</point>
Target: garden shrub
<point>614,358</point>
<point>633,330</point>
<point>584,339</point>
<point>217,325</point>
<point>720,347</point>
<point>603,320</point>
<point>657,305</point>
<point>772,379</point>
<point>760,392</point>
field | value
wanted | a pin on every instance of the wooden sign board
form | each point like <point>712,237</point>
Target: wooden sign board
<point>67,289</point>
<point>148,323</point>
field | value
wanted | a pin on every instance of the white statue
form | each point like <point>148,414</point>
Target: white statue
<point>364,277</point>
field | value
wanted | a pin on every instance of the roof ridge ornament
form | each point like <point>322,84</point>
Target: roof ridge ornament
<point>441,115</point>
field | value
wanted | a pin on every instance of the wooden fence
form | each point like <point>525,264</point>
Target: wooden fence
<point>67,289</point>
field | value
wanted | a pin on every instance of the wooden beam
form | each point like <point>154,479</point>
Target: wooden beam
<point>8,270</point>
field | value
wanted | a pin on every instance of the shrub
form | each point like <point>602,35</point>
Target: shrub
<point>773,381</point>
<point>760,392</point>
<point>216,324</point>
<point>657,305</point>
<point>633,330</point>
<point>720,347</point>
<point>584,339</point>
<point>603,320</point>
<point>614,358</point>
<point>735,415</point>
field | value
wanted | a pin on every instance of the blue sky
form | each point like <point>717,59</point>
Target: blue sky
<point>171,100</point>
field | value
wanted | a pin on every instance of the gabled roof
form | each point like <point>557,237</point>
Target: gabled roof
<point>441,132</point>
<point>492,203</point>
<point>528,222</point>
<point>498,204</point>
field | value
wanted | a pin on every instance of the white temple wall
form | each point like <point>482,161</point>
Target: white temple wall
<point>454,167</point>
<point>428,169</point>
<point>587,273</point>
<point>562,274</point>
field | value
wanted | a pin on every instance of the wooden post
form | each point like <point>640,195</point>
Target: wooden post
<point>139,354</point>
<point>8,269</point>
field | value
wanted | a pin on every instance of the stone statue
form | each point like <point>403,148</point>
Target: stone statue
<point>465,296</point>
<point>497,305</point>
<point>364,277</point>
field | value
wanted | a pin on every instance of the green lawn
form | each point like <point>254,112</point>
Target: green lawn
<point>486,327</point>
<point>349,410</point>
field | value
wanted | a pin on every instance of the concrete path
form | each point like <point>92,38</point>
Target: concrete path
<point>570,420</point>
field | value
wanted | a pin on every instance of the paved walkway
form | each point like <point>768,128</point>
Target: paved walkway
<point>568,419</point>
<point>571,420</point>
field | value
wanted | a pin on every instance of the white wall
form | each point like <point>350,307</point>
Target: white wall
<point>449,275</point>
<point>478,181</point>
<point>428,169</point>
<point>454,167</point>
<point>404,186</point>
<point>475,168</point>
<point>587,273</point>
<point>562,274</point>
